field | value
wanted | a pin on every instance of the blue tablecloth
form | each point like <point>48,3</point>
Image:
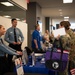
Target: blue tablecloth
<point>38,68</point>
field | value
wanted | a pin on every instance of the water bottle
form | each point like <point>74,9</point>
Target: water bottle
<point>33,59</point>
<point>24,57</point>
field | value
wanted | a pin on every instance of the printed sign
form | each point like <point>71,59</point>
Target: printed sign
<point>19,67</point>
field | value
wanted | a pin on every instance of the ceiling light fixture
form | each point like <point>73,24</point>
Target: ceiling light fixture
<point>66,17</point>
<point>18,19</point>
<point>7,3</point>
<point>60,9</point>
<point>7,16</point>
<point>67,1</point>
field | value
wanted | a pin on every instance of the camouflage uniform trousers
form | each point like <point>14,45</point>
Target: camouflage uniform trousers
<point>72,59</point>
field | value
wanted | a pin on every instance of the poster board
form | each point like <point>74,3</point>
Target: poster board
<point>19,66</point>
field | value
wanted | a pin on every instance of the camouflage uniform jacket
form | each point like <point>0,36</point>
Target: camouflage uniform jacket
<point>65,40</point>
<point>72,42</point>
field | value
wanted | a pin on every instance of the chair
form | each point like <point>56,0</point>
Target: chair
<point>29,51</point>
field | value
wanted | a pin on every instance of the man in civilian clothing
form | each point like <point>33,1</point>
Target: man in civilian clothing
<point>36,39</point>
<point>14,37</point>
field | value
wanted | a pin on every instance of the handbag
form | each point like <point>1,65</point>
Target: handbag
<point>55,60</point>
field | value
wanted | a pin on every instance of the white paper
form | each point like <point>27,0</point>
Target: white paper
<point>33,59</point>
<point>19,67</point>
<point>60,31</point>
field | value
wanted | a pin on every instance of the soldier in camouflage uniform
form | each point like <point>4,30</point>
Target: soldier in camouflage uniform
<point>71,43</point>
<point>66,42</point>
<point>72,51</point>
<point>66,45</point>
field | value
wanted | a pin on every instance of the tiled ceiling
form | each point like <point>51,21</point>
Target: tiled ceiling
<point>51,8</point>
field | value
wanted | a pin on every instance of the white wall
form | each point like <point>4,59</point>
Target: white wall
<point>57,21</point>
<point>22,26</point>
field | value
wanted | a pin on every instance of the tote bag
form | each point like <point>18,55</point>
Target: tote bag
<point>56,61</point>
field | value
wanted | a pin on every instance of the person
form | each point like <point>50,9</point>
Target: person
<point>47,35</point>
<point>65,42</point>
<point>36,39</point>
<point>46,38</point>
<point>15,38</point>
<point>72,51</point>
<point>3,50</point>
